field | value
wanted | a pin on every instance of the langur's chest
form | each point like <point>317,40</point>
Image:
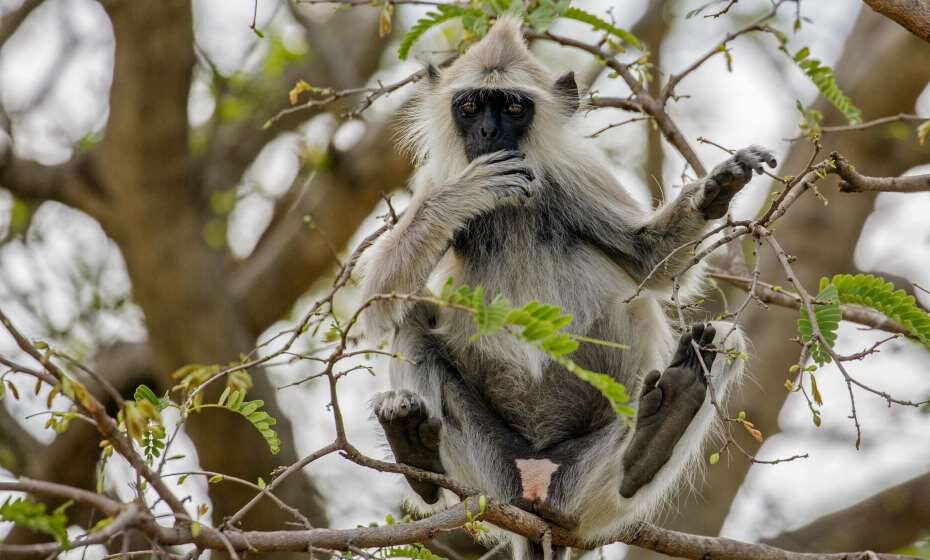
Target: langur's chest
<point>514,231</point>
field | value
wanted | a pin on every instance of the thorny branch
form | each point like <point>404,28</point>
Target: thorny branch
<point>853,181</point>
<point>900,117</point>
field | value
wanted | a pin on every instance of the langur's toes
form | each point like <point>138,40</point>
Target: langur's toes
<point>392,405</point>
<point>707,337</point>
<point>697,332</point>
<point>651,379</point>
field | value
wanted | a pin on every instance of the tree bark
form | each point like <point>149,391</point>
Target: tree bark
<point>903,513</point>
<point>913,15</point>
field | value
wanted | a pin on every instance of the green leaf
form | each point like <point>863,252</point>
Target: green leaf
<point>235,400</point>
<point>810,121</point>
<point>827,316</point>
<point>27,513</point>
<point>492,317</point>
<point>540,325</point>
<point>20,217</point>
<point>144,393</point>
<point>822,76</point>
<point>874,292</point>
<point>613,391</point>
<point>545,13</point>
<point>445,12</point>
<point>260,420</point>
<point>415,551</point>
<point>866,290</point>
<point>101,525</point>
<point>578,14</point>
<point>223,396</point>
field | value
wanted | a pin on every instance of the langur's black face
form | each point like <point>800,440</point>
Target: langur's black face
<point>490,120</point>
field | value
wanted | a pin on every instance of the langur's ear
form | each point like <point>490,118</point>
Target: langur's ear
<point>566,90</point>
<point>432,74</point>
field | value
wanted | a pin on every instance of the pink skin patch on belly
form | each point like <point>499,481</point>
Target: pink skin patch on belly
<point>535,476</point>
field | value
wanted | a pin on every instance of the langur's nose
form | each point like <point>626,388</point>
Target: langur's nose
<point>488,132</point>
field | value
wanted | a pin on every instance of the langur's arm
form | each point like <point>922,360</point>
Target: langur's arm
<point>656,245</point>
<point>404,258</point>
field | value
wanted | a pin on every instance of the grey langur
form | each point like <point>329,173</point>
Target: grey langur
<point>508,195</point>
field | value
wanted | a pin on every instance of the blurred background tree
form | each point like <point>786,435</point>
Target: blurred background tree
<point>152,218</point>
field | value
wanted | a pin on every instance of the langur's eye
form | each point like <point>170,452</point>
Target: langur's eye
<point>515,109</point>
<point>469,108</point>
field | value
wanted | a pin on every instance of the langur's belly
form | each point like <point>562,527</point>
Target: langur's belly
<point>550,407</point>
<point>524,255</point>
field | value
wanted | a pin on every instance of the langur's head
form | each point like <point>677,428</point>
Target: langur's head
<point>494,97</point>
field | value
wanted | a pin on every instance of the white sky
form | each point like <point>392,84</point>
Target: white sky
<point>754,104</point>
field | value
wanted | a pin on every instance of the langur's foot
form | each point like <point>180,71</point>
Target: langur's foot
<point>412,434</point>
<point>667,405</point>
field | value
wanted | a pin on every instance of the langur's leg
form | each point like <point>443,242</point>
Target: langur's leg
<point>667,404</point>
<point>675,409</point>
<point>433,420</point>
<point>625,477</point>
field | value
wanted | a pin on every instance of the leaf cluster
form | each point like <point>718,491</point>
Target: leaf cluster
<point>27,513</point>
<point>542,326</point>
<point>477,17</point>
<point>866,290</point>
<point>823,77</point>
<point>234,401</point>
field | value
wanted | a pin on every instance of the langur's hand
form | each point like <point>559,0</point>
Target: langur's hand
<point>502,176</point>
<point>728,178</point>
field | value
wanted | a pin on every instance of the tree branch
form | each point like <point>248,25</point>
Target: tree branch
<point>913,15</point>
<point>766,293</point>
<point>854,182</point>
<point>645,102</point>
<point>293,254</point>
<point>506,516</point>
<point>99,501</point>
<point>904,510</point>
<point>106,425</point>
<point>72,183</point>
<point>234,146</point>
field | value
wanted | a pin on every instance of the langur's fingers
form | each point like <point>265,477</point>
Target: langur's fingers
<point>504,155</point>
<point>650,402</point>
<point>764,154</point>
<point>525,171</point>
